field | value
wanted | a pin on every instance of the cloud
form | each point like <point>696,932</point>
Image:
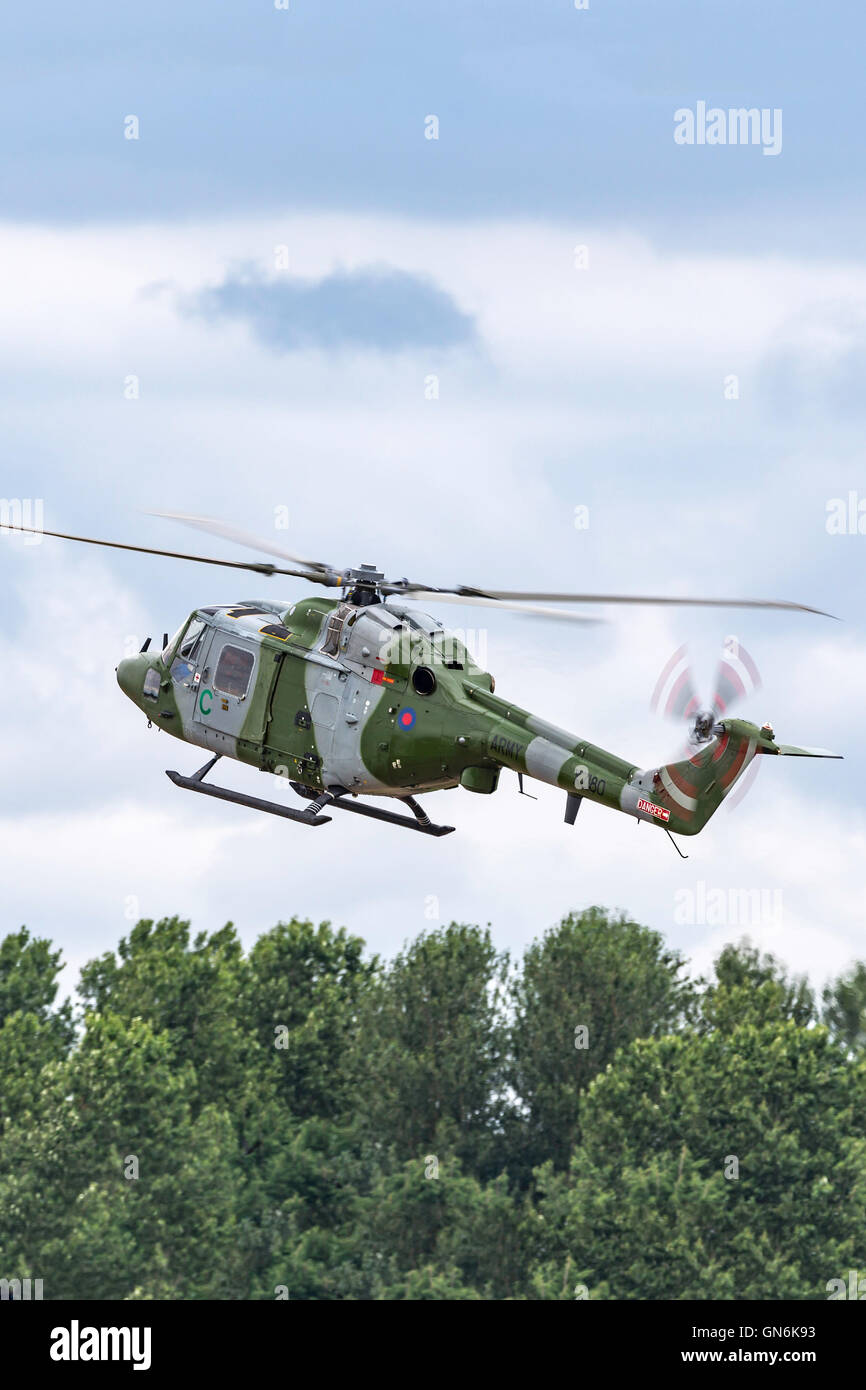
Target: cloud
<point>600,386</point>
<point>375,307</point>
<point>92,833</point>
<point>816,363</point>
<point>242,106</point>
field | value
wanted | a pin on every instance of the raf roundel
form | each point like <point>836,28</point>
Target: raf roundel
<point>407,718</point>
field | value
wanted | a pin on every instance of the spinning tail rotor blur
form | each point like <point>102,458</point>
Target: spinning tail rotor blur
<point>675,697</point>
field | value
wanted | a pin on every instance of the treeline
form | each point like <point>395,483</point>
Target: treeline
<point>304,1121</point>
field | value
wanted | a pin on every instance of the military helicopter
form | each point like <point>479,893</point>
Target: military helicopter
<point>367,695</point>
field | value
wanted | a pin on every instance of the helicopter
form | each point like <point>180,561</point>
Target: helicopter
<point>366,695</point>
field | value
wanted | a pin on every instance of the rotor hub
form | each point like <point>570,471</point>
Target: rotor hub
<point>704,726</point>
<point>362,585</point>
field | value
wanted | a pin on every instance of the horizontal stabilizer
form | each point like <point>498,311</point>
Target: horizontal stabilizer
<point>788,750</point>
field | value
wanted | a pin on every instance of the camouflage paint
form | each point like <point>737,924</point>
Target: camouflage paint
<point>342,696</point>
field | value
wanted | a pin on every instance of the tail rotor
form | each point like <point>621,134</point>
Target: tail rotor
<point>675,697</point>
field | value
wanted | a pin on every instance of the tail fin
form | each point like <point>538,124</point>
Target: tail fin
<point>685,794</point>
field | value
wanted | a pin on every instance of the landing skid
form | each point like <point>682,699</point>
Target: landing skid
<point>195,783</point>
<point>321,800</point>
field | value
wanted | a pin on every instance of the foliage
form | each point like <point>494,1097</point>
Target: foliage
<point>303,1121</point>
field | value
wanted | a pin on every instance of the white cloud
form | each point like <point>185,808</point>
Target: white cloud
<point>599,386</point>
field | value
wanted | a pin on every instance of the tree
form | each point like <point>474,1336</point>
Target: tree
<point>111,1187</point>
<point>32,1033</point>
<point>304,1120</point>
<point>749,984</point>
<point>431,1047</point>
<point>725,1165</point>
<point>188,989</point>
<point>590,986</point>
<point>301,997</point>
<point>427,1229</point>
<point>28,976</point>
<point>845,1007</point>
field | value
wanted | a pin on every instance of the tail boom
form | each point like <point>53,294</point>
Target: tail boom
<point>679,796</point>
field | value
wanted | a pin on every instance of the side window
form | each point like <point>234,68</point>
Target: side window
<point>150,688</point>
<point>233,671</point>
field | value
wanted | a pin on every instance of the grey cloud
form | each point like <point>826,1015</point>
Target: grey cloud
<point>376,307</point>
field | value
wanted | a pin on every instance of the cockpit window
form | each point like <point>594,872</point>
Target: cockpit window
<point>191,631</point>
<point>184,663</point>
<point>172,643</point>
<point>191,639</point>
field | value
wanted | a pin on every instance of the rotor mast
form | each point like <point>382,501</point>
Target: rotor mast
<point>361,585</point>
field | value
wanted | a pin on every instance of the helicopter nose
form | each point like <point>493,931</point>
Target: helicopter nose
<point>129,676</point>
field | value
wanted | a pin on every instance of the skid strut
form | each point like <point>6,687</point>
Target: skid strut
<point>339,801</point>
<point>330,800</point>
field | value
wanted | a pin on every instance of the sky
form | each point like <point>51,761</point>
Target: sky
<point>437,284</point>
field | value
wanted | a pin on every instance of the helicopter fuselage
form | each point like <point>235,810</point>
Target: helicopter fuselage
<point>380,700</point>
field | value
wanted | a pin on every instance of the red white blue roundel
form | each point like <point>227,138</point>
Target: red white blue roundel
<point>406,718</point>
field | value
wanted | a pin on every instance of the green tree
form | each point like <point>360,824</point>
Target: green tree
<point>750,984</point>
<point>431,1047</point>
<point>189,989</point>
<point>428,1225</point>
<point>112,1186</point>
<point>590,986</point>
<point>301,997</point>
<point>844,1009</point>
<point>725,1165</point>
<point>32,1032</point>
<point>223,1125</point>
<point>28,977</point>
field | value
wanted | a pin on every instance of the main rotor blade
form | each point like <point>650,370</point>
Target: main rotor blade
<point>530,595</point>
<point>475,601</point>
<point>234,533</point>
<point>332,581</point>
<point>736,677</point>
<point>674,695</point>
